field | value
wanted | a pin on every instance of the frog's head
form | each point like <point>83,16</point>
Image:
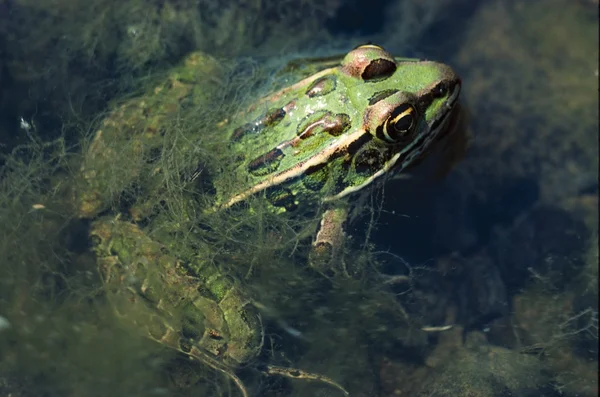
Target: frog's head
<point>408,105</point>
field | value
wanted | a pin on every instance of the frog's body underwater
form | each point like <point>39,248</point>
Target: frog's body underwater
<point>314,144</point>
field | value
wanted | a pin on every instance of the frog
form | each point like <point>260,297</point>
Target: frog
<point>318,143</point>
<point>340,127</point>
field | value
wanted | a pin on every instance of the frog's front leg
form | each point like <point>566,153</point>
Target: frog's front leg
<point>326,254</point>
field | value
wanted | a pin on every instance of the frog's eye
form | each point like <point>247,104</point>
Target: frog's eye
<point>399,127</point>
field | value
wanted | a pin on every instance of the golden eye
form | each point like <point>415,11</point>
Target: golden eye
<point>401,124</point>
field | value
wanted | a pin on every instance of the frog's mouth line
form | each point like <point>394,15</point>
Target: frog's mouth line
<point>408,156</point>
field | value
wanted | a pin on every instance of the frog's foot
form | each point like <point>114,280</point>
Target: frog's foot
<point>300,374</point>
<point>326,251</point>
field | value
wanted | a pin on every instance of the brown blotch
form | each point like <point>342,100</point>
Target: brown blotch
<point>381,95</point>
<point>267,162</point>
<point>358,62</point>
<point>378,69</point>
<point>322,86</point>
<point>282,198</point>
<point>333,124</point>
<point>240,132</point>
<point>271,118</point>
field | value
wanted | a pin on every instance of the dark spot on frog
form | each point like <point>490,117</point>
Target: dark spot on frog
<point>358,144</point>
<point>214,335</point>
<point>368,162</point>
<point>202,289</point>
<point>282,198</point>
<point>315,177</point>
<point>323,122</point>
<point>378,69</point>
<point>321,87</point>
<point>266,163</point>
<point>270,119</point>
<point>378,96</point>
<point>185,345</point>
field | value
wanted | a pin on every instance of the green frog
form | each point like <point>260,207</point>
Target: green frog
<point>313,145</point>
<point>343,126</point>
